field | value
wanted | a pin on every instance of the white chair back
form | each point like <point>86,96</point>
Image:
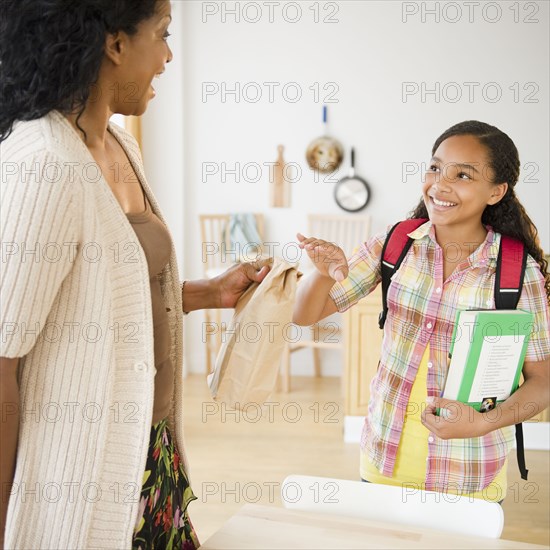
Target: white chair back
<point>212,241</point>
<point>391,504</point>
<point>216,252</point>
<point>347,231</point>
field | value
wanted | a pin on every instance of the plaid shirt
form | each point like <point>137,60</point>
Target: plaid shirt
<point>422,309</point>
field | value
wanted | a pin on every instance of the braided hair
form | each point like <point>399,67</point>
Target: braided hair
<point>508,216</point>
<point>51,52</point>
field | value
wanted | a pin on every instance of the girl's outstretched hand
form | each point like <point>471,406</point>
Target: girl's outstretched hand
<point>328,258</point>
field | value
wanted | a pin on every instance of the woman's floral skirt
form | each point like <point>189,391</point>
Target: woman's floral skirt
<point>162,520</point>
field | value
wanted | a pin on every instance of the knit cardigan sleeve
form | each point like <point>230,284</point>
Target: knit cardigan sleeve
<point>40,233</point>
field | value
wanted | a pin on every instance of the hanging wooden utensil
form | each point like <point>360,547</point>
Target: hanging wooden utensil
<point>280,186</point>
<point>324,154</point>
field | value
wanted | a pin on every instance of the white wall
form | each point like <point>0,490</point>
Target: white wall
<point>368,54</point>
<point>163,139</point>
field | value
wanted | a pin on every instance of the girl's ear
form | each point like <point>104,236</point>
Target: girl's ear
<point>115,46</point>
<point>498,191</point>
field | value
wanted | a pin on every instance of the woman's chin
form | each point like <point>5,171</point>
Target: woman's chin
<point>142,110</point>
<point>137,109</point>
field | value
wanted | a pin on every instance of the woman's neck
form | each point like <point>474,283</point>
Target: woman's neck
<point>94,121</point>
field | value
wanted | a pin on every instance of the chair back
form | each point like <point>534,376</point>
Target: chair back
<point>391,504</point>
<point>216,250</point>
<point>347,231</point>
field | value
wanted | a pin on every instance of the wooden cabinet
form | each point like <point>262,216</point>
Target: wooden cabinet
<point>363,343</point>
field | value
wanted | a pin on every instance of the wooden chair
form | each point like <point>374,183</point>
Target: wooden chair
<point>216,257</point>
<point>348,232</point>
<point>391,504</point>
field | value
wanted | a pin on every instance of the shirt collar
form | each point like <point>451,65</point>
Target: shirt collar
<point>487,252</point>
<point>422,231</point>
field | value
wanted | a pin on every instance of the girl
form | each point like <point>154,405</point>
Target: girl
<point>91,300</point>
<point>469,198</point>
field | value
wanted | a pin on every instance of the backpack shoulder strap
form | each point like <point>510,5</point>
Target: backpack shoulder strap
<point>394,251</point>
<point>511,263</point>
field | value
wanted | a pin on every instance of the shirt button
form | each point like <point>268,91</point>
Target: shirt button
<point>430,365</point>
<point>429,325</point>
<point>140,367</point>
<point>438,290</point>
<point>431,439</point>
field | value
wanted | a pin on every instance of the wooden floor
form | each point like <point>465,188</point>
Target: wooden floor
<point>237,458</point>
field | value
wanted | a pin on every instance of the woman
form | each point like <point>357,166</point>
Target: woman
<point>92,324</point>
<point>469,198</point>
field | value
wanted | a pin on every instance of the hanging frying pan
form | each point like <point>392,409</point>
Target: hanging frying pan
<point>324,154</point>
<point>352,193</point>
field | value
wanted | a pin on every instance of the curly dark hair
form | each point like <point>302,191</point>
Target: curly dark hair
<point>51,52</point>
<point>508,216</point>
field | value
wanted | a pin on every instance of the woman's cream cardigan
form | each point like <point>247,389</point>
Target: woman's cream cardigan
<point>76,306</point>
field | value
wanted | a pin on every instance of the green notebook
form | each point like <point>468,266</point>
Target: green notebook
<point>487,353</point>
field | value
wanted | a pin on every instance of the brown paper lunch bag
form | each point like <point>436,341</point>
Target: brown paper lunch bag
<point>248,362</point>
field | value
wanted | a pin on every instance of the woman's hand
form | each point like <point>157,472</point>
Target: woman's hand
<point>456,420</point>
<point>232,283</point>
<point>328,258</point>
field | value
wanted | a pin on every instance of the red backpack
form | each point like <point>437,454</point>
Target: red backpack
<point>511,262</point>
